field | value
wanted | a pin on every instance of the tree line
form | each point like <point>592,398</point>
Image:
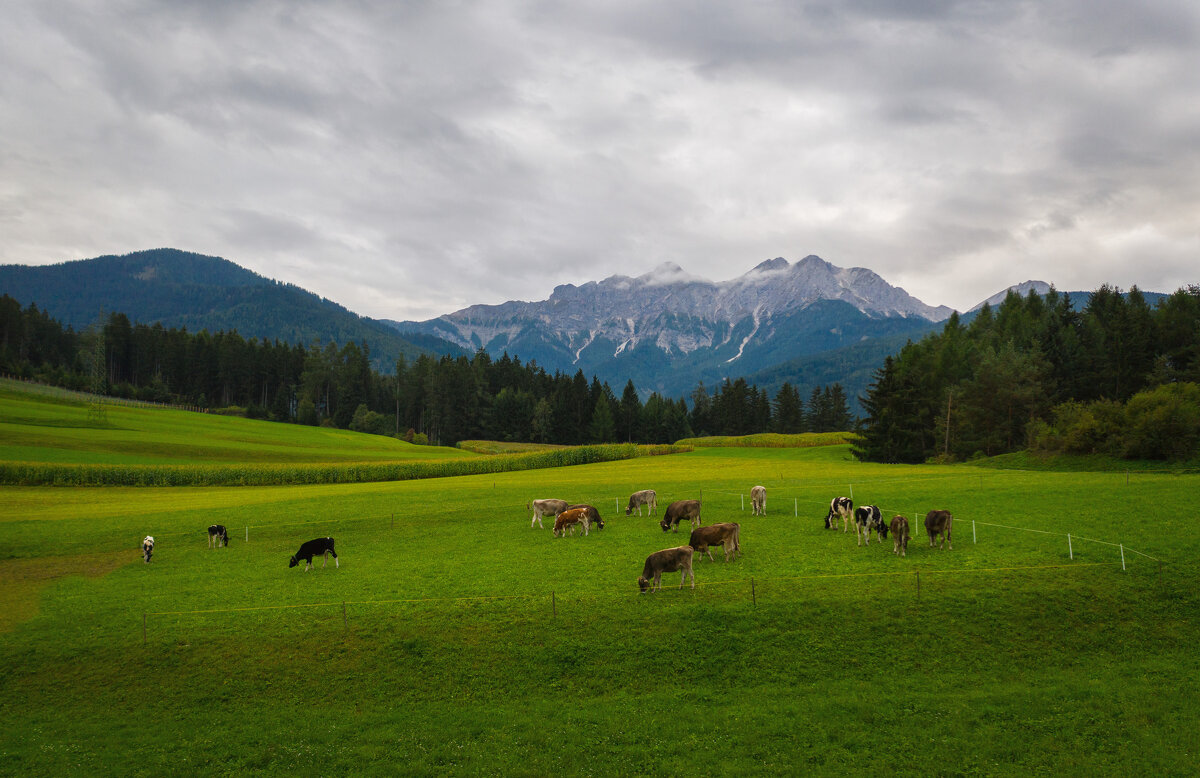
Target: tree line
<point>1117,377</point>
<point>430,399</point>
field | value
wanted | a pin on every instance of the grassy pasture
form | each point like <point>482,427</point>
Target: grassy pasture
<point>471,643</point>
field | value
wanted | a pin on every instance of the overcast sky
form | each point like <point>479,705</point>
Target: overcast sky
<point>407,159</point>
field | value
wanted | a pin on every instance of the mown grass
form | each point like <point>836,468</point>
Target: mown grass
<point>473,644</point>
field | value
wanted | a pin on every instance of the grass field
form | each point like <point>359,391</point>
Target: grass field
<point>454,638</point>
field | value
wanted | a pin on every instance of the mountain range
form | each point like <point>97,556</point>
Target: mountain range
<point>668,330</point>
<point>183,289</point>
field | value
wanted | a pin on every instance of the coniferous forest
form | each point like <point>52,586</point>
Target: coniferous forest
<point>1117,377</point>
<point>430,399</point>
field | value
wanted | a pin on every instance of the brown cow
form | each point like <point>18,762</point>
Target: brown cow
<point>900,535</point>
<point>678,511</point>
<point>938,522</point>
<point>593,515</point>
<point>542,508</point>
<point>726,535</point>
<point>758,500</point>
<point>667,561</point>
<point>569,519</point>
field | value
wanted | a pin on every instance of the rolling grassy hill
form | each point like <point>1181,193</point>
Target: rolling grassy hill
<point>456,639</point>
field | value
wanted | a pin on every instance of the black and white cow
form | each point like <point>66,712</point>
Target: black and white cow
<point>147,548</point>
<point>217,536</point>
<point>322,547</point>
<point>842,507</point>
<point>867,518</point>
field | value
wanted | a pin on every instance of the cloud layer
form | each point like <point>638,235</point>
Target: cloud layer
<point>409,159</point>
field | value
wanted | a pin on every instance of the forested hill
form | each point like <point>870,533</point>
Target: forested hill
<point>183,289</point>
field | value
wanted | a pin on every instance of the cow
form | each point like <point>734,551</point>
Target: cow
<point>542,508</point>
<point>593,515</point>
<point>726,535</point>
<point>867,518</point>
<point>839,507</point>
<point>900,535</point>
<point>582,515</point>
<point>217,536</point>
<point>647,497</point>
<point>147,548</point>
<point>666,561</point>
<point>758,500</point>
<point>938,523</point>
<point>678,511</point>
<point>322,547</point>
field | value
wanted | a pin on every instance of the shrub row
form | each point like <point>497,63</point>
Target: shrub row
<point>45,474</point>
<point>772,440</point>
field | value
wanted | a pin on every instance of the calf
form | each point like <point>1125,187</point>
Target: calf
<point>839,506</point>
<point>147,548</point>
<point>217,536</point>
<point>678,511</point>
<point>938,523</point>
<point>646,497</point>
<point>666,561</point>
<point>727,535</point>
<point>867,518</point>
<point>571,517</point>
<point>900,535</point>
<point>322,547</point>
<point>544,508</point>
<point>758,501</point>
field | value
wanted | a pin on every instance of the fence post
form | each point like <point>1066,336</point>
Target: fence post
<point>743,502</point>
<point>851,491</point>
<point>1122,557</point>
<point>973,536</point>
<point>1070,549</point>
<point>616,504</point>
<point>796,506</point>
<point>753,595</point>
<point>247,533</point>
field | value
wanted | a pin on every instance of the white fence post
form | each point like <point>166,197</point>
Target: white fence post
<point>851,491</point>
<point>796,506</point>
<point>1122,557</point>
<point>247,534</point>
<point>743,501</point>
<point>972,531</point>
<point>1070,550</point>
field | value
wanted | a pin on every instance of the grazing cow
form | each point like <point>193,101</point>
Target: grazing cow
<point>758,501</point>
<point>727,535</point>
<point>544,508</point>
<point>938,523</point>
<point>322,547</point>
<point>217,536</point>
<point>647,497</point>
<point>839,507</point>
<point>147,548</point>
<point>678,511</point>
<point>867,518</point>
<point>582,515</point>
<point>593,515</point>
<point>667,561</point>
<point>900,535</point>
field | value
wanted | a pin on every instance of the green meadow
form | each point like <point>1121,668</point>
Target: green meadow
<point>455,639</point>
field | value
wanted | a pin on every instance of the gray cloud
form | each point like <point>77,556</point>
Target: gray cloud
<point>408,159</point>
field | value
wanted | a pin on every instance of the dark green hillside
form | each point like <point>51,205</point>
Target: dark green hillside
<point>182,289</point>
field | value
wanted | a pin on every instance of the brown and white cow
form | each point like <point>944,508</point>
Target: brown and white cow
<point>758,500</point>
<point>938,523</point>
<point>679,511</point>
<point>647,497</point>
<point>583,515</point>
<point>839,507</point>
<point>900,535</point>
<point>726,535</point>
<point>542,508</point>
<point>667,561</point>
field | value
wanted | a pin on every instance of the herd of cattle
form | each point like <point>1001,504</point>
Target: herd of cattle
<point>866,519</point>
<point>727,535</point>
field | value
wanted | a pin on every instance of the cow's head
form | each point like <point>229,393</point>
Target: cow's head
<point>643,584</point>
<point>883,529</point>
<point>665,524</point>
<point>294,562</point>
<point>599,522</point>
